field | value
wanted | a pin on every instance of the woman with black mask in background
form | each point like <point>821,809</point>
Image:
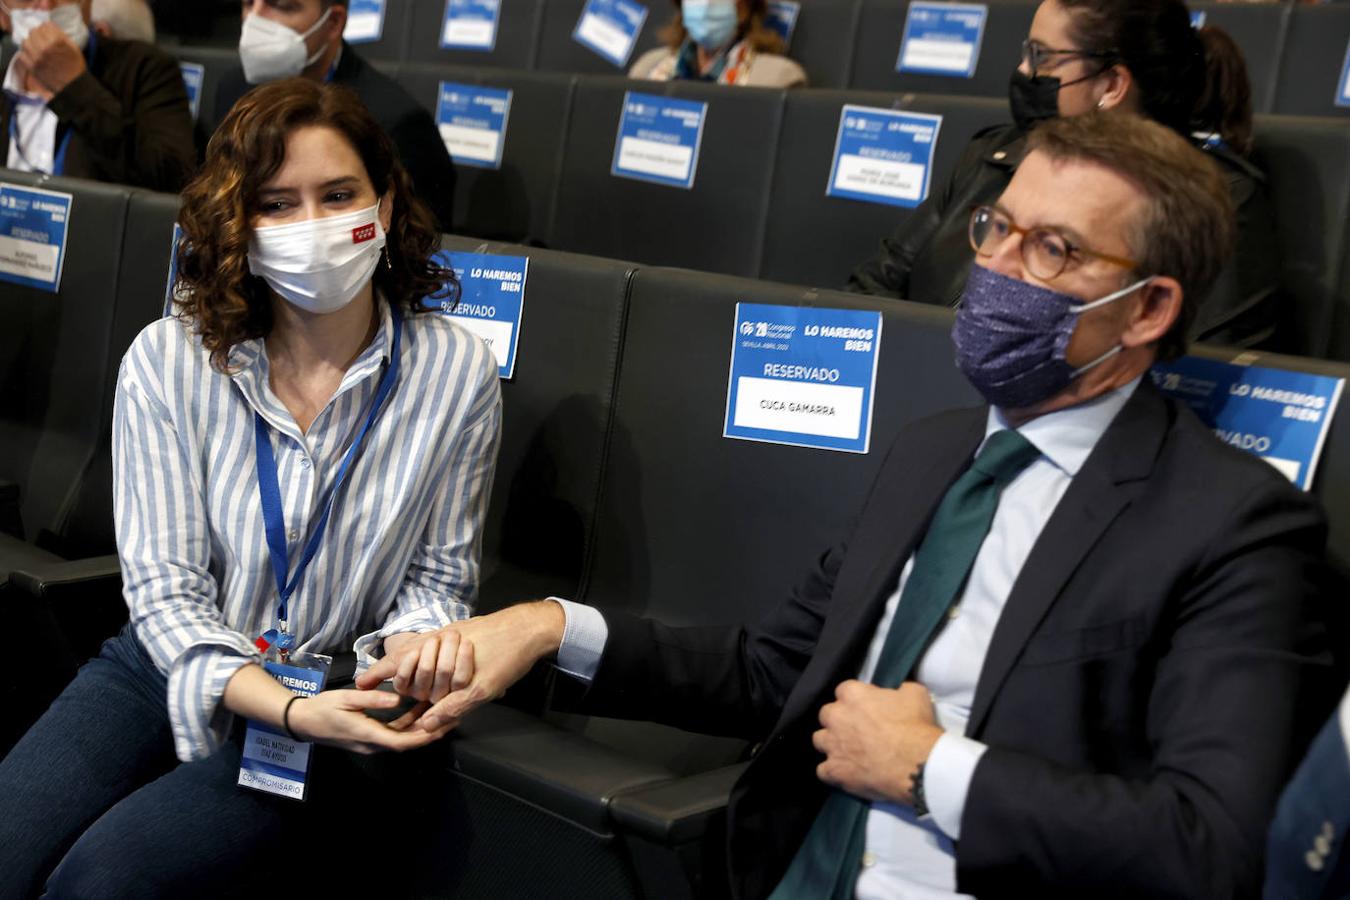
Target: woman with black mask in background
<point>1137,57</point>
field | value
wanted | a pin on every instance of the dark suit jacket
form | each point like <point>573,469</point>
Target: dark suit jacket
<point>129,116</point>
<point>1138,696</point>
<point>1306,857</point>
<point>407,123</point>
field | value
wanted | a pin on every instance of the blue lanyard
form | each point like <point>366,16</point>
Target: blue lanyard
<point>269,490</point>
<point>59,160</point>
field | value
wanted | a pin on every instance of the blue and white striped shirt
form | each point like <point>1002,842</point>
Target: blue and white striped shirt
<point>402,548</point>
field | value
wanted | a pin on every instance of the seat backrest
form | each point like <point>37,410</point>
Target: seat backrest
<point>1312,67</point>
<point>822,42</point>
<point>877,49</point>
<point>559,52</point>
<point>86,527</point>
<point>717,225</point>
<point>1260,29</point>
<point>215,62</point>
<point>1307,163</point>
<point>513,202</point>
<point>841,232</point>
<point>697,528</point>
<point>54,354</point>
<point>555,417</point>
<point>514,47</point>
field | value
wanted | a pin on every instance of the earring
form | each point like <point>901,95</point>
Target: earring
<point>388,263</point>
<point>1099,104</point>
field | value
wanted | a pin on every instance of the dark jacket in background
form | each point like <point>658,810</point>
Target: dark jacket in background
<point>129,116</point>
<point>407,123</point>
<point>926,259</point>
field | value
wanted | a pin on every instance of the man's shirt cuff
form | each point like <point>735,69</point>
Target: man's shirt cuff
<point>946,780</point>
<point>583,641</point>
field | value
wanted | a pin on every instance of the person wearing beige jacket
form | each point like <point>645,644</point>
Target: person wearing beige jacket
<point>721,41</point>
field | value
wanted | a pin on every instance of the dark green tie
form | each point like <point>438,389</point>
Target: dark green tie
<point>826,865</point>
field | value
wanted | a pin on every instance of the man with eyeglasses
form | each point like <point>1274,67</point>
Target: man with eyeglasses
<point>79,104</point>
<point>1074,643</point>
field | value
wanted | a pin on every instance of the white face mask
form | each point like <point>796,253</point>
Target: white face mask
<point>67,17</point>
<point>319,265</point>
<point>270,50</point>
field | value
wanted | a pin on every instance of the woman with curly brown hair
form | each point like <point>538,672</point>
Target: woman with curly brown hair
<point>722,41</point>
<point>303,457</point>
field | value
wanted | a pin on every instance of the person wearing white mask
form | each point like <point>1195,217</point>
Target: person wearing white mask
<point>304,37</point>
<point>721,41</point>
<point>79,104</point>
<point>307,363</point>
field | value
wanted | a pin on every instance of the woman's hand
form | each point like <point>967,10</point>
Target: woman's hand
<point>337,718</point>
<point>428,666</point>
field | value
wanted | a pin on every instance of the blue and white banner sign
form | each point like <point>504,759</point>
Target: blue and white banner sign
<point>33,225</point>
<point>610,28</point>
<point>883,155</point>
<point>274,762</point>
<point>1198,18</point>
<point>193,75</point>
<point>470,24</point>
<point>1279,415</point>
<point>173,269</point>
<point>782,18</point>
<point>1343,86</point>
<point>365,21</point>
<point>803,376</point>
<point>942,39</point>
<point>491,300</point>
<point>659,139</point>
<point>472,121</point>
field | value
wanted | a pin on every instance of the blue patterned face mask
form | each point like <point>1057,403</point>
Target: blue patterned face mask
<point>1011,337</point>
<point>711,23</point>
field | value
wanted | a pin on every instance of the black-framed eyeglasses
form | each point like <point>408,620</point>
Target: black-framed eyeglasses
<point>1045,251</point>
<point>1036,55</point>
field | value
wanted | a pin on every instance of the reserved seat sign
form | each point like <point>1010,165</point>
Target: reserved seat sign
<point>470,25</point>
<point>1343,84</point>
<point>1280,415</point>
<point>803,376</point>
<point>942,39</point>
<point>610,28</point>
<point>365,21</point>
<point>659,139</point>
<point>472,121</point>
<point>491,300</point>
<point>883,155</point>
<point>33,227</point>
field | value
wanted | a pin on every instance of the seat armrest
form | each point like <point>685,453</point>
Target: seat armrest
<point>46,579</point>
<point>557,770</point>
<point>678,811</point>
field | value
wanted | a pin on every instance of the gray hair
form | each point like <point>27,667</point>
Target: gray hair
<point>129,20</point>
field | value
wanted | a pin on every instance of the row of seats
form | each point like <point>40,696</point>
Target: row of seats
<point>614,486</point>
<point>1295,53</point>
<point>759,208</point>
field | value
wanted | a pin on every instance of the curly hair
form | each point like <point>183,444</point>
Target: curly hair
<point>755,29</point>
<point>214,289</point>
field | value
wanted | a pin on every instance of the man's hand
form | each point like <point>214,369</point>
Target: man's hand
<point>50,60</point>
<point>490,654</point>
<point>874,738</point>
<point>428,663</point>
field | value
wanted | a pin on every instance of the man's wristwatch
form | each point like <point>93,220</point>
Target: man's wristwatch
<point>916,793</point>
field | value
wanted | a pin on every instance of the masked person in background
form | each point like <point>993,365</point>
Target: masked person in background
<point>79,104</point>
<point>1073,642</point>
<point>304,367</point>
<point>1128,57</point>
<point>722,41</point>
<point>304,37</point>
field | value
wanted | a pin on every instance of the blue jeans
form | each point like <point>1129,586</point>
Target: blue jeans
<point>94,804</point>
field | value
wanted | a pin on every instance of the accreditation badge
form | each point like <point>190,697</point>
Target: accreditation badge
<point>274,762</point>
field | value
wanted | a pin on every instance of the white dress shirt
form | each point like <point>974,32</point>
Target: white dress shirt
<point>401,552</point>
<point>907,856</point>
<point>32,142</point>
